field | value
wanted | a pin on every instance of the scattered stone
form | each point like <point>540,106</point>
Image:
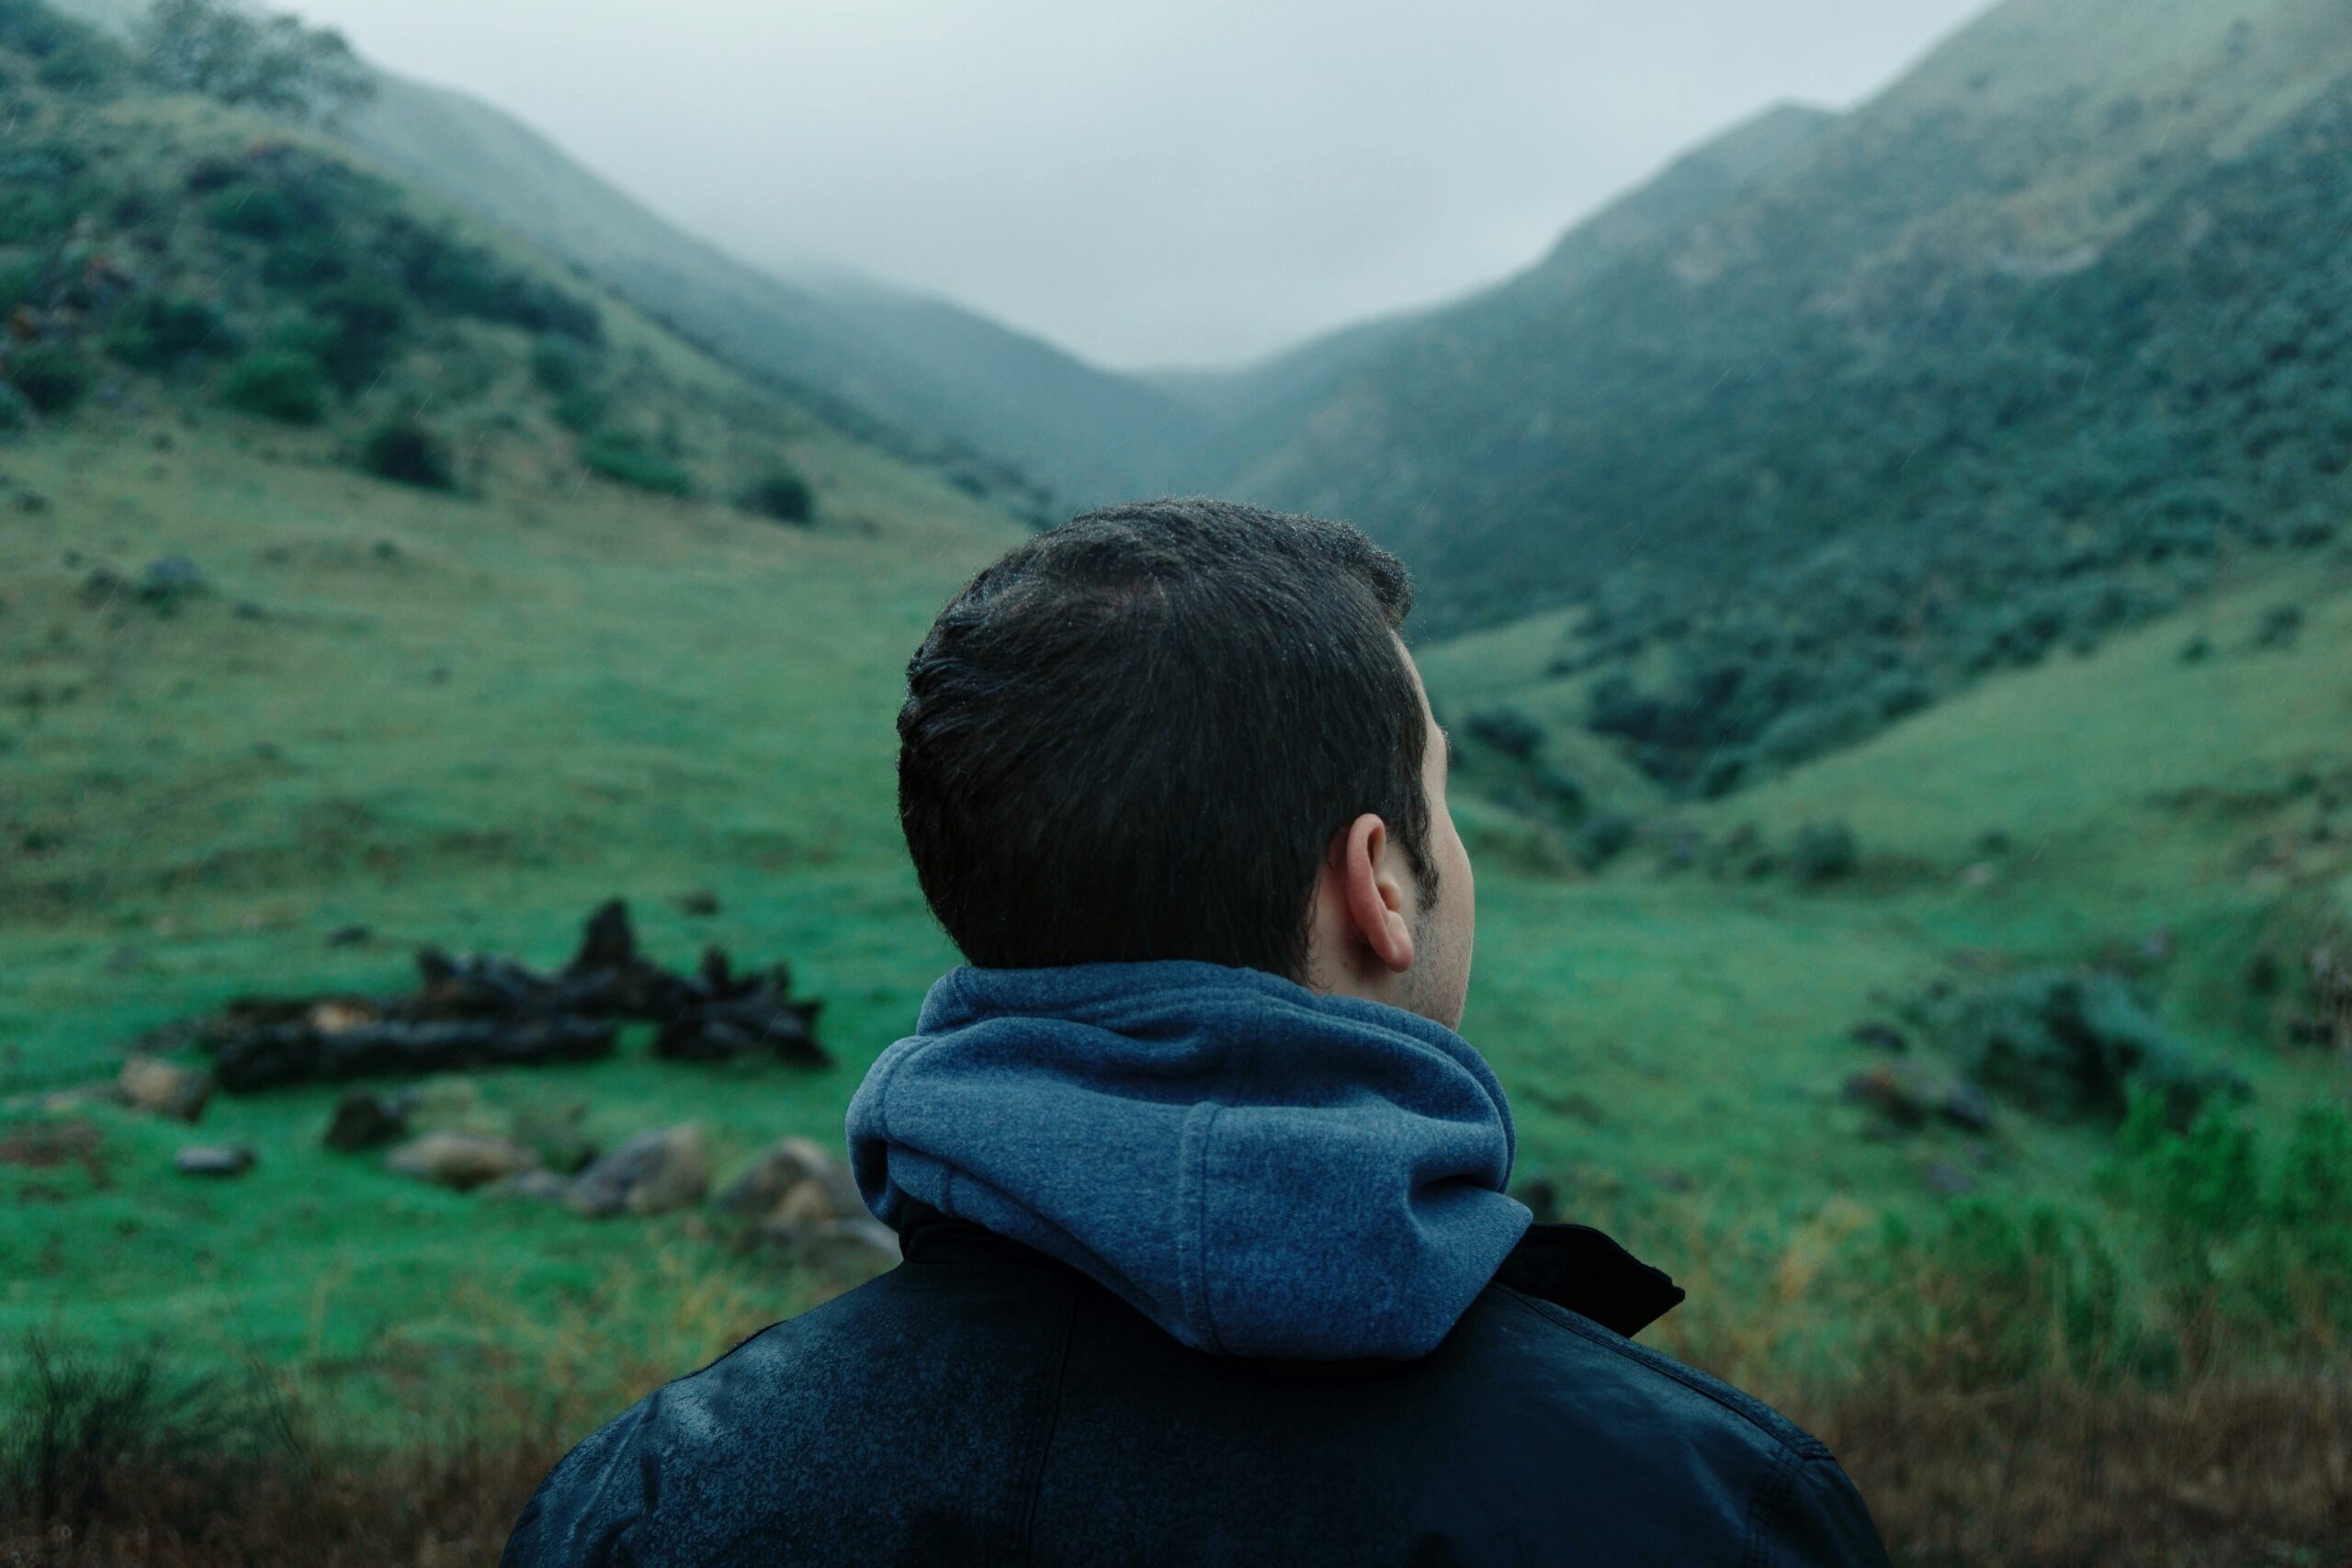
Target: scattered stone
<point>164,1089</point>
<point>365,1119</point>
<point>1947,1179</point>
<point>1982,874</point>
<point>700,903</point>
<point>557,1134</point>
<point>858,1248</point>
<point>1878,1036</point>
<point>350,936</point>
<point>1994,841</point>
<point>531,1186</point>
<point>2196,649</point>
<point>462,1161</point>
<point>246,610</point>
<point>1673,1180</point>
<point>785,1166</point>
<point>652,1173</point>
<point>213,1159</point>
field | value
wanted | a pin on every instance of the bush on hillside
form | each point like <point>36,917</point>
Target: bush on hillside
<point>269,62</point>
<point>1824,853</point>
<point>50,375</point>
<point>162,330</point>
<point>780,493</point>
<point>276,383</point>
<point>2070,1044</point>
<point>358,323</point>
<point>67,54</point>
<point>405,451</point>
<point>1508,730</point>
<point>629,460</point>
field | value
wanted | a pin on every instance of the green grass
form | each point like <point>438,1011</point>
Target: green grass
<point>551,692</point>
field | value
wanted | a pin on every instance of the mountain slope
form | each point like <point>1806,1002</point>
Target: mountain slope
<point>1260,409</point>
<point>1004,412</point>
<point>1876,315</point>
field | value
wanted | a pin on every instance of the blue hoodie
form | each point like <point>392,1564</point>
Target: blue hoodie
<point>1260,1170</point>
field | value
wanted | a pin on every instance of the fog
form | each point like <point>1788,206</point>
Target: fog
<point>1157,183</point>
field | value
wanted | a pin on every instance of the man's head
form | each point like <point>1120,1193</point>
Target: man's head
<point>1188,730</point>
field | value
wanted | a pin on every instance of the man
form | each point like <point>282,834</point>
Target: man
<point>1207,1252</point>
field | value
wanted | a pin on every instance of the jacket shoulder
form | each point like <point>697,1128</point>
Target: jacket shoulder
<point>895,1423</point>
<point>1703,1398</point>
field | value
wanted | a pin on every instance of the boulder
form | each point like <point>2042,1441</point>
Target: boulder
<point>364,1119</point>
<point>531,1186</point>
<point>785,1166</point>
<point>558,1134</point>
<point>837,1249</point>
<point>461,1161</point>
<point>164,1089</point>
<point>652,1173</point>
<point>213,1159</point>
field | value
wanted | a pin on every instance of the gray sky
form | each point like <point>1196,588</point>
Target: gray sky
<point>1146,182</point>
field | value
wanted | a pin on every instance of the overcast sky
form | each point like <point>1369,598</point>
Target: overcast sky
<point>1146,182</point>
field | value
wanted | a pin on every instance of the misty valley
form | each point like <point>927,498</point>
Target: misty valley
<point>1885,581</point>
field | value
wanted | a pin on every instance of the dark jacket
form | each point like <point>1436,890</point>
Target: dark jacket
<point>985,1404</point>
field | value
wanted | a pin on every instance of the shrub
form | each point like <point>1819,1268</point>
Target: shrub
<point>1508,730</point>
<point>280,384</point>
<point>360,321</point>
<point>560,367</point>
<point>626,459</point>
<point>2068,1045</point>
<point>156,331</point>
<point>405,451</point>
<point>51,376</point>
<point>1602,839</point>
<point>780,493</point>
<point>1824,853</point>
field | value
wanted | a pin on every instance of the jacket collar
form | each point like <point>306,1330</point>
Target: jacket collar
<point>1574,1266</point>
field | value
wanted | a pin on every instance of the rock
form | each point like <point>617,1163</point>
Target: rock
<point>1878,1036</point>
<point>785,1166</point>
<point>461,1161</point>
<point>164,1089</point>
<point>700,903</point>
<point>213,1159</point>
<point>1965,1105</point>
<point>855,1249</point>
<point>530,1187</point>
<point>559,1134</point>
<point>652,1173</point>
<point>1947,1179</point>
<point>350,936</point>
<point>363,1119</point>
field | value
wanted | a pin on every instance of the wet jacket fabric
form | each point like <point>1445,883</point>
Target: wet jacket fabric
<point>1072,1394</point>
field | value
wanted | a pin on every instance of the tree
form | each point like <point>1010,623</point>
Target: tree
<point>270,63</point>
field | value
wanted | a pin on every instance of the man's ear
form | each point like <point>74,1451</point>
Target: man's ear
<point>1376,898</point>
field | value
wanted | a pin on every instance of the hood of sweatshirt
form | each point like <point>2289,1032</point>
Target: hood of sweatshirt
<point>1260,1170</point>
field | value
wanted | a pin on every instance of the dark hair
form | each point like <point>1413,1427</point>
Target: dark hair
<point>1135,736</point>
